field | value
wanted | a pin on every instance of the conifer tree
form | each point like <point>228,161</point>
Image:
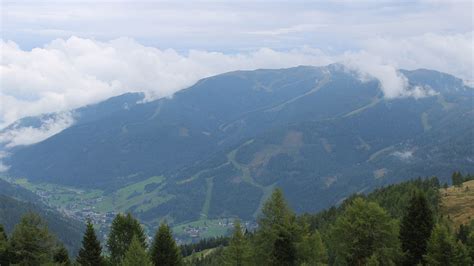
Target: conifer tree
<point>443,250</point>
<point>31,242</point>
<point>4,258</point>
<point>457,179</point>
<point>238,253</point>
<point>415,229</point>
<point>61,256</point>
<point>136,255</point>
<point>284,250</point>
<point>90,253</point>
<point>276,222</point>
<point>362,231</point>
<point>164,250</point>
<point>463,233</point>
<point>311,250</point>
<point>123,228</point>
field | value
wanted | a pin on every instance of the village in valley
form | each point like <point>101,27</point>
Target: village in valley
<point>83,205</point>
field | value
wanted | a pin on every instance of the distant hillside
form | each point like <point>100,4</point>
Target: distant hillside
<point>457,203</point>
<point>218,148</point>
<point>15,202</point>
<point>393,198</point>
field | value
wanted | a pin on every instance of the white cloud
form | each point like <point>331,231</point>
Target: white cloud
<point>69,73</point>
<point>392,82</point>
<point>3,167</point>
<point>29,135</point>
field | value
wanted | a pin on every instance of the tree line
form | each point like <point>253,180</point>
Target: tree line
<point>396,225</point>
<point>457,178</point>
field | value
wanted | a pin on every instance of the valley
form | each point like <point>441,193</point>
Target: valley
<point>102,207</point>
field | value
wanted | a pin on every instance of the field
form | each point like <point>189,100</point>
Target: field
<point>61,197</point>
<point>142,196</point>
<point>458,203</point>
<point>203,228</point>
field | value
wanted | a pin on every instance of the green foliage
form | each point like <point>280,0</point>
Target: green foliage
<point>365,229</point>
<point>278,233</point>
<point>4,256</point>
<point>68,230</point>
<point>463,233</point>
<point>61,256</point>
<point>444,250</point>
<point>206,243</point>
<point>163,250</point>
<point>415,229</point>
<point>239,252</point>
<point>311,250</point>
<point>215,258</point>
<point>284,250</point>
<point>470,245</point>
<point>31,242</point>
<point>124,228</point>
<point>136,255</point>
<point>396,198</point>
<point>393,198</point>
<point>457,178</point>
<point>91,252</point>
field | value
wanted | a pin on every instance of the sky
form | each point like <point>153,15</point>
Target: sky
<point>60,55</point>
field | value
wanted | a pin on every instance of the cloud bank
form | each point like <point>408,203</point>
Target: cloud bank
<point>73,72</point>
<point>50,126</point>
<point>67,74</point>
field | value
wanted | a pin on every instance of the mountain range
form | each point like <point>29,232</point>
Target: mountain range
<point>218,148</point>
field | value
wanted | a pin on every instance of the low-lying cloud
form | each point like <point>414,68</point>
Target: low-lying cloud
<point>18,135</point>
<point>69,73</point>
<point>392,82</point>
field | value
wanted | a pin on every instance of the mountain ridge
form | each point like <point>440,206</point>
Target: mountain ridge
<point>221,145</point>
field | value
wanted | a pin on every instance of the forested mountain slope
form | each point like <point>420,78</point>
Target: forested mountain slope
<point>218,148</point>
<point>16,202</point>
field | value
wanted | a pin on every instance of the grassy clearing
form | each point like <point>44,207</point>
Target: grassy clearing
<point>206,228</point>
<point>135,195</point>
<point>60,196</point>
<point>380,152</point>
<point>446,105</point>
<point>373,103</point>
<point>246,176</point>
<point>200,254</point>
<point>207,201</point>
<point>195,176</point>
<point>425,122</point>
<point>458,203</point>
